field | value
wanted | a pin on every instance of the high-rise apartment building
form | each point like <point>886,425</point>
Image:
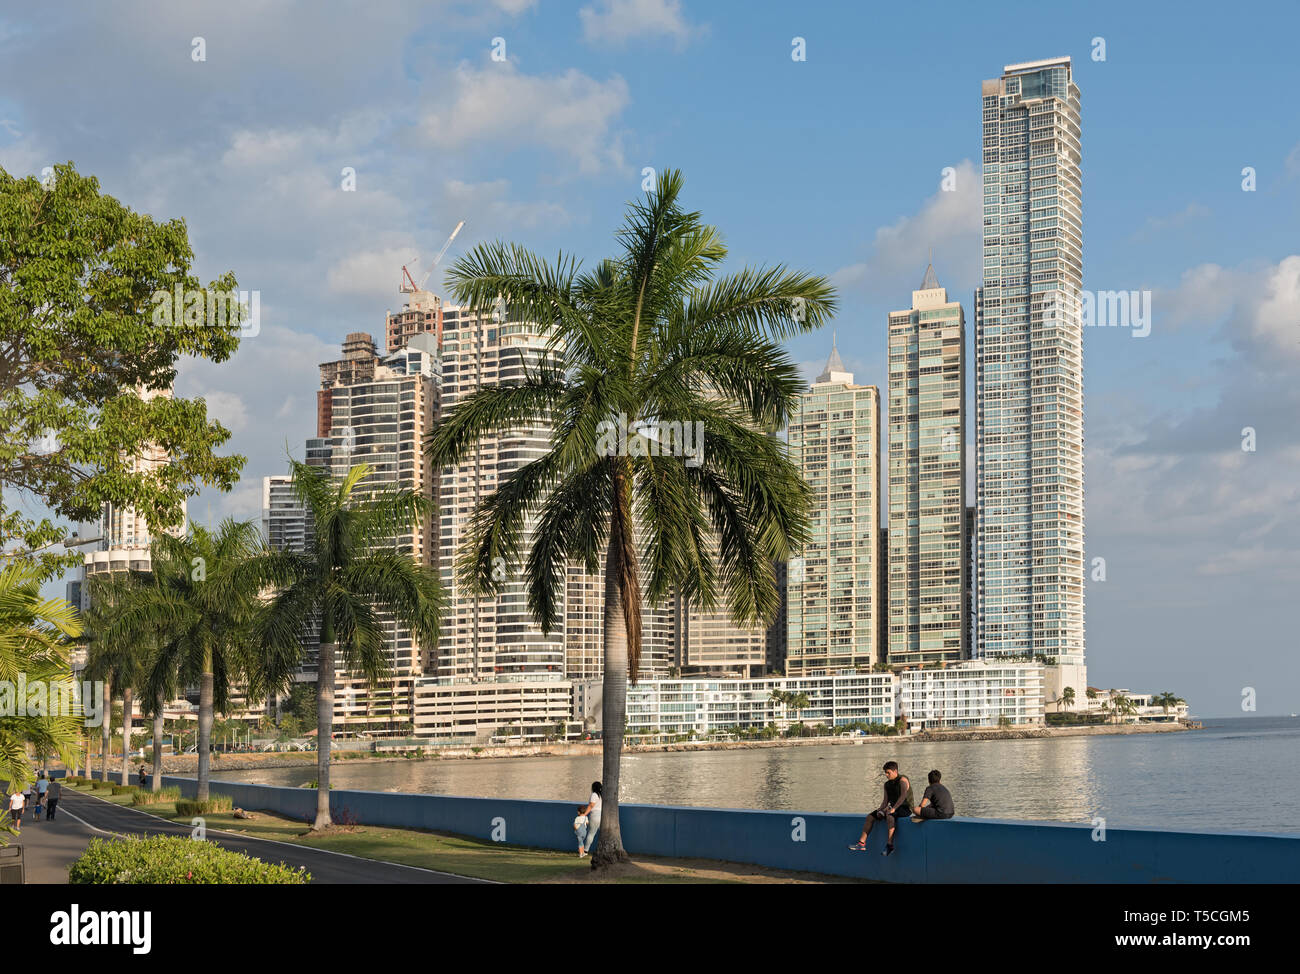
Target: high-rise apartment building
<point>496,638</point>
<point>1029,368</point>
<point>927,478</point>
<point>833,585</point>
<point>379,410</point>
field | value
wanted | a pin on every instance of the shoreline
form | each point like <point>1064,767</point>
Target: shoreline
<point>277,760</point>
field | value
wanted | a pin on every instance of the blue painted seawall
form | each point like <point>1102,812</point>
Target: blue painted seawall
<point>960,850</point>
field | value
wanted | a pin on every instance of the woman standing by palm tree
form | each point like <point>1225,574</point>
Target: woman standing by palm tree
<point>650,343</point>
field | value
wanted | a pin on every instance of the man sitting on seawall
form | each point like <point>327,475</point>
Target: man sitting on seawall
<point>936,802</point>
<point>897,803</point>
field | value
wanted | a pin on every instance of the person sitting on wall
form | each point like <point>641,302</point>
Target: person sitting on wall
<point>936,802</point>
<point>897,801</point>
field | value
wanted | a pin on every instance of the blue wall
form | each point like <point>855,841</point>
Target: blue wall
<point>960,850</point>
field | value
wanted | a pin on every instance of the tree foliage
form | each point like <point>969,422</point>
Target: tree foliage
<point>85,374</point>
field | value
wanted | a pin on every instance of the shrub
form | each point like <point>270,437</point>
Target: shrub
<point>174,860</point>
<point>215,803</point>
<point>125,789</point>
<point>163,795</point>
<point>101,784</point>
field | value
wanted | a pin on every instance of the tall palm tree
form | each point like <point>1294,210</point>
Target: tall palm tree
<point>650,338</point>
<point>349,575</point>
<point>199,610</point>
<point>34,634</point>
<point>113,656</point>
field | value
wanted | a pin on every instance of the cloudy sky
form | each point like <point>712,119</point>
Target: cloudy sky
<point>832,164</point>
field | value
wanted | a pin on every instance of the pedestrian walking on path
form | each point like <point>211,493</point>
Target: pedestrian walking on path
<point>52,796</point>
<point>17,802</point>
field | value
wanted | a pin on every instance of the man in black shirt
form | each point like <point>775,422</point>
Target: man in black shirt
<point>936,802</point>
<point>897,802</point>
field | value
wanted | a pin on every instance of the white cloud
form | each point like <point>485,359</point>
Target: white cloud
<point>570,114</point>
<point>949,222</point>
<point>375,273</point>
<point>618,21</point>
<point>487,207</point>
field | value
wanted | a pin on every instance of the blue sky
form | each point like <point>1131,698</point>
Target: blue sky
<point>832,164</point>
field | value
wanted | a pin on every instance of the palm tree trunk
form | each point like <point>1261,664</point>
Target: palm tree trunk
<point>155,779</point>
<point>106,729</point>
<point>609,840</point>
<point>205,732</point>
<point>324,729</point>
<point>126,735</point>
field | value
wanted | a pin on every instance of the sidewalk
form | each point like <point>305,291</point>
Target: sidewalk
<point>49,848</point>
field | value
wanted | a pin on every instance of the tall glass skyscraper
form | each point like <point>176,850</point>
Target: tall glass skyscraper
<point>1029,369</point>
<point>833,586</point>
<point>927,478</point>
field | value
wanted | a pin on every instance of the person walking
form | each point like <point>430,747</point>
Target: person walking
<point>42,787</point>
<point>17,802</point>
<point>591,812</point>
<point>52,797</point>
<point>936,802</point>
<point>897,802</point>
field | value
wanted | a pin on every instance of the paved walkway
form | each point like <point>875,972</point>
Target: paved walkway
<point>49,848</point>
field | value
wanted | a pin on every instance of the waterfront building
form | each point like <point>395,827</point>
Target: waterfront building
<point>475,712</point>
<point>927,478</point>
<point>490,638</point>
<point>1029,369</point>
<point>976,693</point>
<point>377,410</point>
<point>707,705</point>
<point>833,598</point>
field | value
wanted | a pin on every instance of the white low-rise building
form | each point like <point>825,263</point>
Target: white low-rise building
<point>975,693</point>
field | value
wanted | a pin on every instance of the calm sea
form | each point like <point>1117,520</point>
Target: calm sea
<point>1237,773</point>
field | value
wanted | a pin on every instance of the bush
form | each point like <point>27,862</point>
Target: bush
<point>101,784</point>
<point>159,797</point>
<point>173,860</point>
<point>216,803</point>
<point>125,789</point>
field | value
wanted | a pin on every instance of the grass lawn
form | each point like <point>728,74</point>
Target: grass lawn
<point>474,857</point>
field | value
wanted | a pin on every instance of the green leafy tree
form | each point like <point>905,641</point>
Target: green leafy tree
<point>34,634</point>
<point>79,275</point>
<point>652,336</point>
<point>349,575</point>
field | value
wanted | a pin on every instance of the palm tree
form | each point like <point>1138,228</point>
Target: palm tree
<point>347,577</point>
<point>34,634</point>
<point>199,610</point>
<point>1167,699</point>
<point>799,703</point>
<point>644,342</point>
<point>1067,698</point>
<point>113,656</point>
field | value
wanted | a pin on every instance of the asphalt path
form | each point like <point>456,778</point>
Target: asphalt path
<point>49,848</point>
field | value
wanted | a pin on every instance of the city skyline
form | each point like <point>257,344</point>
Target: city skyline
<point>1197,535</point>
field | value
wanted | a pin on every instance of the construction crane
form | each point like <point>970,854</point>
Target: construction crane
<point>408,285</point>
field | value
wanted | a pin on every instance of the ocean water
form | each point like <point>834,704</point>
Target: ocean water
<point>1238,774</point>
